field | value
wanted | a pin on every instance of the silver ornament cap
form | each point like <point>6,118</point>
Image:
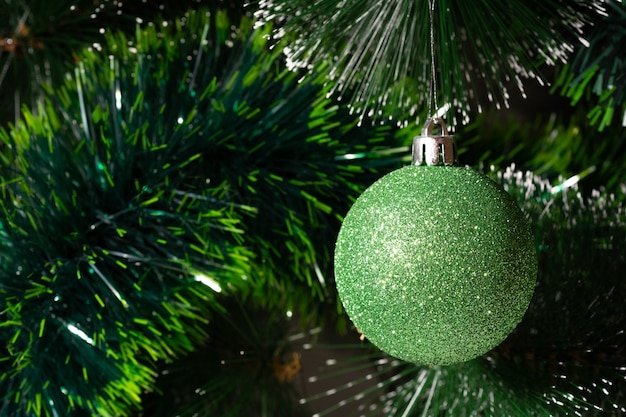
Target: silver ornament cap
<point>429,149</point>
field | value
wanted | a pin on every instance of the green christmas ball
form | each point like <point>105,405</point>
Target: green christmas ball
<point>435,264</point>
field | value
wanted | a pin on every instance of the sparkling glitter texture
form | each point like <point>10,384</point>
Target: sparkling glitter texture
<point>435,265</point>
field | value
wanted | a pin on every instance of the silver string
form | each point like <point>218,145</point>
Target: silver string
<point>433,82</point>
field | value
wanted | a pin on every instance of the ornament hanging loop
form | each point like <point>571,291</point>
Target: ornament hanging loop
<point>434,150</point>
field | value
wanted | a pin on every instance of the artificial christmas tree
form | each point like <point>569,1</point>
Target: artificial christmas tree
<point>172,194</point>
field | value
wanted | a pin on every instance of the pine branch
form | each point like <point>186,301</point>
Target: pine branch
<point>247,367</point>
<point>548,144</point>
<point>170,166</point>
<point>106,245</point>
<point>381,50</point>
<point>597,71</point>
<point>39,39</point>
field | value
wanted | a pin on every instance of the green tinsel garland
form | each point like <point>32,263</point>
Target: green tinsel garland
<point>181,163</point>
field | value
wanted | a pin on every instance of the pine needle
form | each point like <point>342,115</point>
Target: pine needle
<point>381,49</point>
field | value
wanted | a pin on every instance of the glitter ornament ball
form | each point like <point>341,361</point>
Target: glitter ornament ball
<point>435,264</point>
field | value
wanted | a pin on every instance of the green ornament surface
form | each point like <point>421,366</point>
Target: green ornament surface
<point>435,265</point>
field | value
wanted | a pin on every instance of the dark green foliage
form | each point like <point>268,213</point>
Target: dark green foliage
<point>548,144</point>
<point>40,39</point>
<point>271,141</point>
<point>183,157</point>
<point>246,367</point>
<point>597,72</point>
<point>103,234</point>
